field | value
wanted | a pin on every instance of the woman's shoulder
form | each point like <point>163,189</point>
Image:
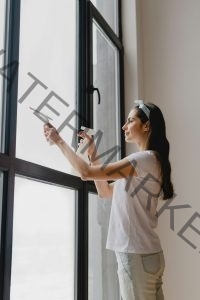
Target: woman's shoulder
<point>145,162</point>
<point>142,154</point>
<point>142,158</point>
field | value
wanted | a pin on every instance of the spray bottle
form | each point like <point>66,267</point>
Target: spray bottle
<point>84,156</point>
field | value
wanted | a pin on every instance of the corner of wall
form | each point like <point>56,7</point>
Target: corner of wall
<point>133,56</point>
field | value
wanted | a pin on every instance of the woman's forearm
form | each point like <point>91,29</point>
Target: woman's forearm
<point>103,188</point>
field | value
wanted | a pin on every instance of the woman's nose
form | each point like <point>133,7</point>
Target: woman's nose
<point>124,127</point>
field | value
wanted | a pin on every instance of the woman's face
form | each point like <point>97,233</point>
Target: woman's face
<point>134,129</point>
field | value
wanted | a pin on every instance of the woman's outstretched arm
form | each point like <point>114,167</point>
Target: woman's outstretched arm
<point>113,171</point>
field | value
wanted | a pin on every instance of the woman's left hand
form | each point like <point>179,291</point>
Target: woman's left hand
<point>51,134</point>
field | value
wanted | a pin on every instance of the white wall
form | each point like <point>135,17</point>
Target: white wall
<point>162,65</point>
<point>132,71</point>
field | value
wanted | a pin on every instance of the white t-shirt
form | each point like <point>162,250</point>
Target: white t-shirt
<point>134,202</point>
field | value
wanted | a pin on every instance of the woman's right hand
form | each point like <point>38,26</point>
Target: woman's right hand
<point>91,150</point>
<point>51,134</point>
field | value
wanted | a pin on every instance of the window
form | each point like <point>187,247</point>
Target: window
<point>110,11</point>
<point>2,56</point>
<point>43,253</point>
<point>50,217</point>
<point>1,196</point>
<point>102,280</point>
<point>106,111</point>
<point>106,114</point>
<point>47,56</point>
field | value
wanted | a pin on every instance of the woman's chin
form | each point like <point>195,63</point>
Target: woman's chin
<point>128,140</point>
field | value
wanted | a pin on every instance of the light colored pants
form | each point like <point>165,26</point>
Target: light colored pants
<point>140,275</point>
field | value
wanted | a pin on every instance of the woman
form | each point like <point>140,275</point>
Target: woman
<point>140,178</point>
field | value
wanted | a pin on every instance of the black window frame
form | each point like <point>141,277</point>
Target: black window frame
<point>12,166</point>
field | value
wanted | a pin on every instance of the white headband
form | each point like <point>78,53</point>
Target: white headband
<point>143,107</point>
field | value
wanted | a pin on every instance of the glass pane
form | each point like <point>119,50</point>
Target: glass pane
<point>103,281</point>
<point>48,60</point>
<point>2,48</point>
<point>109,10</point>
<point>43,242</point>
<point>106,115</point>
<point>1,194</point>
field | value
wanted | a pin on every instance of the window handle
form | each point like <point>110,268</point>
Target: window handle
<point>92,89</point>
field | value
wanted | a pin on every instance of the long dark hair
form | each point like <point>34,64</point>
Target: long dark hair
<point>158,142</point>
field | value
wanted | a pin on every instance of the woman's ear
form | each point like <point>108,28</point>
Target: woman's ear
<point>147,126</point>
